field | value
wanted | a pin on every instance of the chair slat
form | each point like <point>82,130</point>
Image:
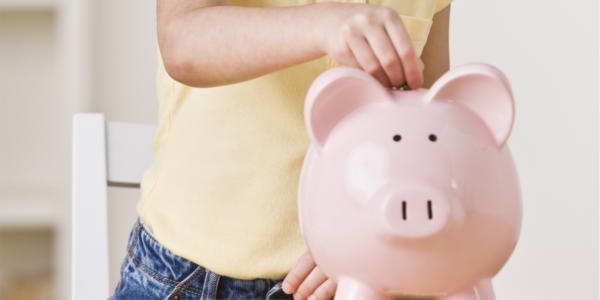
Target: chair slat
<point>89,258</point>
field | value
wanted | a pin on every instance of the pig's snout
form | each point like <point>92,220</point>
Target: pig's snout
<point>416,212</point>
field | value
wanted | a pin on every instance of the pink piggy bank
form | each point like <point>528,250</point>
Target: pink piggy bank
<point>410,194</point>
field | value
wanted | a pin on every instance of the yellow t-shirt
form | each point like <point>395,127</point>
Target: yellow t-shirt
<point>223,187</point>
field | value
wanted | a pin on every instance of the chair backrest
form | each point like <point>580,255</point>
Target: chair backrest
<point>104,153</point>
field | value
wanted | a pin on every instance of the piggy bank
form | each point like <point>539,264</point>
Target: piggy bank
<point>410,194</point>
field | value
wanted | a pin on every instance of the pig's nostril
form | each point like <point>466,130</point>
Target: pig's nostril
<point>414,212</point>
<point>429,209</point>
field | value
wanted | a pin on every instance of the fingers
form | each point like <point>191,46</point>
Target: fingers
<point>412,64</point>
<point>366,58</point>
<point>310,284</point>
<point>386,54</point>
<point>306,281</point>
<point>346,57</point>
<point>382,47</point>
<point>298,273</point>
<point>325,291</point>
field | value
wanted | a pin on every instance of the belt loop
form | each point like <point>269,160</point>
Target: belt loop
<point>272,291</point>
<point>211,283</point>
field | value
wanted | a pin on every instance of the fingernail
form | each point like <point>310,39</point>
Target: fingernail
<point>286,288</point>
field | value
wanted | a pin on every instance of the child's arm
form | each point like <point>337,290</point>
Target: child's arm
<point>204,43</point>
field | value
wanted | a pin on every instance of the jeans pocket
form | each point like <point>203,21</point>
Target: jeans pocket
<point>151,271</point>
<point>137,284</point>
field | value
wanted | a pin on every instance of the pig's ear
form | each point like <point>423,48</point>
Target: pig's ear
<point>333,95</point>
<point>484,90</point>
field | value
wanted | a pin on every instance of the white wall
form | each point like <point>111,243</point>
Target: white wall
<point>124,60</point>
<point>549,51</point>
<point>34,145</point>
<point>29,33</point>
<point>124,68</point>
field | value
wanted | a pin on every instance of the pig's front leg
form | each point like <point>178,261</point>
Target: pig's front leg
<point>352,289</point>
<point>468,294</point>
<point>481,291</point>
<point>485,291</point>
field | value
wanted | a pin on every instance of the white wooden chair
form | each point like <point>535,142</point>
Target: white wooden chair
<point>104,154</point>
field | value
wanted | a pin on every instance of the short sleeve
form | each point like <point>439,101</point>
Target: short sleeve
<point>441,4</point>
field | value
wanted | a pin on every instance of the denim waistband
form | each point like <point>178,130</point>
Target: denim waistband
<point>181,278</point>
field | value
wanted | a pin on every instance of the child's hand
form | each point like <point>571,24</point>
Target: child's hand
<point>374,39</point>
<point>305,281</point>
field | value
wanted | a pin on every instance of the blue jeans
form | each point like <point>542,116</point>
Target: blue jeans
<point>151,271</point>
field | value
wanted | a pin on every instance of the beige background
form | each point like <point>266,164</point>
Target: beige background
<point>548,49</point>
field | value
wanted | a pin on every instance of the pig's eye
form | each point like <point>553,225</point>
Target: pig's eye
<point>432,137</point>
<point>397,138</point>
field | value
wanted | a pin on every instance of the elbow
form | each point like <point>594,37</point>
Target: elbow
<point>185,70</point>
<point>178,65</point>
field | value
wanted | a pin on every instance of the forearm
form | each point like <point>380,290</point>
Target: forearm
<point>218,45</point>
